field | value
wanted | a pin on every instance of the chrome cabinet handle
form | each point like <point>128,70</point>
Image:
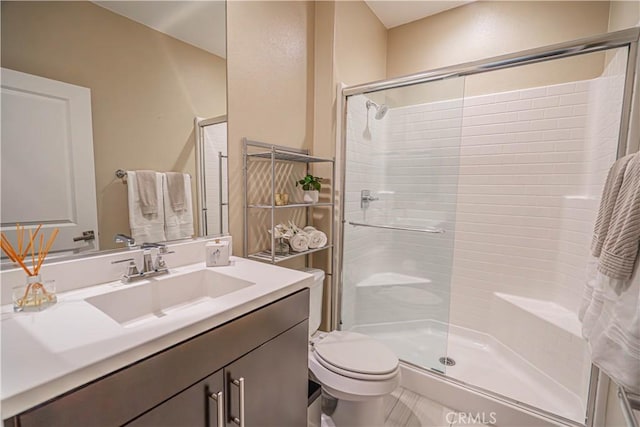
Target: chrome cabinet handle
<point>217,397</point>
<point>239,420</point>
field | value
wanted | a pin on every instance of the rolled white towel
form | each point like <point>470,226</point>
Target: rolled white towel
<point>299,242</point>
<point>317,239</point>
<point>309,229</point>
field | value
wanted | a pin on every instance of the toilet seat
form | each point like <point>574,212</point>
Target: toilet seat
<point>356,356</point>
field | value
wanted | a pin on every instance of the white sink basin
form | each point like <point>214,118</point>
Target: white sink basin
<point>163,295</point>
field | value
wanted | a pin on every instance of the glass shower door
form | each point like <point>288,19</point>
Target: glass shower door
<point>401,174</point>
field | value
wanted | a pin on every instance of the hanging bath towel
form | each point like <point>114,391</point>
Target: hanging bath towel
<point>145,227</point>
<point>610,309</point>
<point>178,209</point>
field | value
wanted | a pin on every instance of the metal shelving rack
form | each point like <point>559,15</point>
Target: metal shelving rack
<point>276,153</point>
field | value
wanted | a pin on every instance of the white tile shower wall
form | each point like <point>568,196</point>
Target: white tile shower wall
<point>407,197</point>
<point>421,149</point>
<point>522,152</point>
<point>527,197</point>
<point>364,172</point>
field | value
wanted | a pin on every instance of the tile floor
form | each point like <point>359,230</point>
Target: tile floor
<point>405,408</point>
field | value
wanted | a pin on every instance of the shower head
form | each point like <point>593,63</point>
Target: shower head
<point>381,109</point>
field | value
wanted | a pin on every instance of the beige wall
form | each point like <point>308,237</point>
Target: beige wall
<point>272,88</point>
<point>270,62</point>
<point>146,89</point>
<point>360,44</point>
<point>490,28</point>
<point>624,14</point>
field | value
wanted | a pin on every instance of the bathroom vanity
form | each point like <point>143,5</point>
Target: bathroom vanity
<point>264,353</point>
<point>234,358</point>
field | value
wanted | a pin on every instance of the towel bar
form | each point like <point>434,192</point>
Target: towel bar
<point>122,174</point>
<point>629,402</point>
<point>402,228</point>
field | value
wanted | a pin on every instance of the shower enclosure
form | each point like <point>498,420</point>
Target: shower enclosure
<point>467,209</point>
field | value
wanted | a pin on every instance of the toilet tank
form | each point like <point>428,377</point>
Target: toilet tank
<point>315,299</point>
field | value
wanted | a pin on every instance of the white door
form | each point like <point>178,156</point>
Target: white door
<point>46,151</point>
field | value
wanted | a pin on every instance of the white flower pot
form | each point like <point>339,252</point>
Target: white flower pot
<point>311,196</point>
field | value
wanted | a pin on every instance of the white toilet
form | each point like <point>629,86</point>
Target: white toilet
<point>353,368</point>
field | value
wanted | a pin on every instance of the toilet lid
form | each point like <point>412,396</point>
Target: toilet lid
<point>353,352</point>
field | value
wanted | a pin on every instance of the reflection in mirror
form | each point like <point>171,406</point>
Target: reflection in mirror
<point>211,161</point>
<point>119,82</point>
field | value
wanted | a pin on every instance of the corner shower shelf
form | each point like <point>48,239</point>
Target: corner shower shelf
<point>276,154</point>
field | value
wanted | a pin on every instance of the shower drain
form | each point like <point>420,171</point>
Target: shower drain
<point>447,361</point>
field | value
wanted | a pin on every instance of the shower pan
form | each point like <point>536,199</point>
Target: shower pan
<point>466,215</point>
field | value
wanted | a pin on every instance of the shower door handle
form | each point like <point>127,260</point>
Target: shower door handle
<point>366,198</point>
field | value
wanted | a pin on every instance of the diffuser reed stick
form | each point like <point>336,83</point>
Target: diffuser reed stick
<point>34,287</point>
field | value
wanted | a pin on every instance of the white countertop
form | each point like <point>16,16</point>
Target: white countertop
<point>48,353</point>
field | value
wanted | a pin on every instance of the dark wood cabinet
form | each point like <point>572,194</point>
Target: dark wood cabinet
<point>193,407</point>
<point>274,396</point>
<point>257,362</point>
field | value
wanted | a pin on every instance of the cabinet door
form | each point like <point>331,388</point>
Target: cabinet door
<point>275,382</point>
<point>194,407</point>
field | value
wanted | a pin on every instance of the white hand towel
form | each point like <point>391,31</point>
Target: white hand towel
<point>317,239</point>
<point>175,188</point>
<point>299,242</point>
<point>147,183</point>
<point>178,225</point>
<point>147,228</point>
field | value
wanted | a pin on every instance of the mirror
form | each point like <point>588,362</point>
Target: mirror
<point>155,76</point>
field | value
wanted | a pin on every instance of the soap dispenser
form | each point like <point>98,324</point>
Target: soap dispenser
<point>217,253</point>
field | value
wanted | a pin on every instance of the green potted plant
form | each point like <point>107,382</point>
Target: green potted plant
<point>311,186</point>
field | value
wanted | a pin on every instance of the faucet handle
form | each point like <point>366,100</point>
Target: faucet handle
<point>132,269</point>
<point>160,262</point>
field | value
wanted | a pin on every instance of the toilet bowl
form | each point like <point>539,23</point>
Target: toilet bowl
<point>352,368</point>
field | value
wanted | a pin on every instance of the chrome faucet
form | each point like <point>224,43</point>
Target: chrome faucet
<point>123,238</point>
<point>150,267</point>
<point>159,264</point>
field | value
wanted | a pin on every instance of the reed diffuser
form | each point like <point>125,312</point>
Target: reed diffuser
<point>35,295</point>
